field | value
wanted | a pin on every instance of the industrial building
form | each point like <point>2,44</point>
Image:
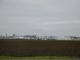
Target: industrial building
<point>35,37</point>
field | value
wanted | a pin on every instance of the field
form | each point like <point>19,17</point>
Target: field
<point>32,48</point>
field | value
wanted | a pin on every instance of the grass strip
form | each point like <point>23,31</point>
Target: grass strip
<point>37,57</point>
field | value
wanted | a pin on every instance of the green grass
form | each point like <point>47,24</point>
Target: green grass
<point>38,58</point>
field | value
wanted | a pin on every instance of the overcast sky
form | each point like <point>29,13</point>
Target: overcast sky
<point>40,17</point>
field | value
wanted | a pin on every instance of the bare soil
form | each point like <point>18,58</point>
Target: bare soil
<point>11,47</point>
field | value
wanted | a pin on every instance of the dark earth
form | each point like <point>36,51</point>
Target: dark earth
<point>23,48</point>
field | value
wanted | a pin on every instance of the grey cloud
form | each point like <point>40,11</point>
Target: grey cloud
<point>41,17</point>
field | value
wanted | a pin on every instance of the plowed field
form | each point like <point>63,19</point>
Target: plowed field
<point>39,48</point>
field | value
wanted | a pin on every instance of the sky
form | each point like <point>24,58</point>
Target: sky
<point>40,17</point>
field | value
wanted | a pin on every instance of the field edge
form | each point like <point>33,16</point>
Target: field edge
<point>39,57</point>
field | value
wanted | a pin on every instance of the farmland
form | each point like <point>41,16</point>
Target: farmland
<point>32,48</point>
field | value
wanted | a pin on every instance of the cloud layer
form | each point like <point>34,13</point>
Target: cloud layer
<point>40,17</point>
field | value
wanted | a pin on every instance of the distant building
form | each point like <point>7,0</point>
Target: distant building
<point>52,38</point>
<point>71,38</point>
<point>30,37</point>
<point>35,37</point>
<point>47,37</point>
